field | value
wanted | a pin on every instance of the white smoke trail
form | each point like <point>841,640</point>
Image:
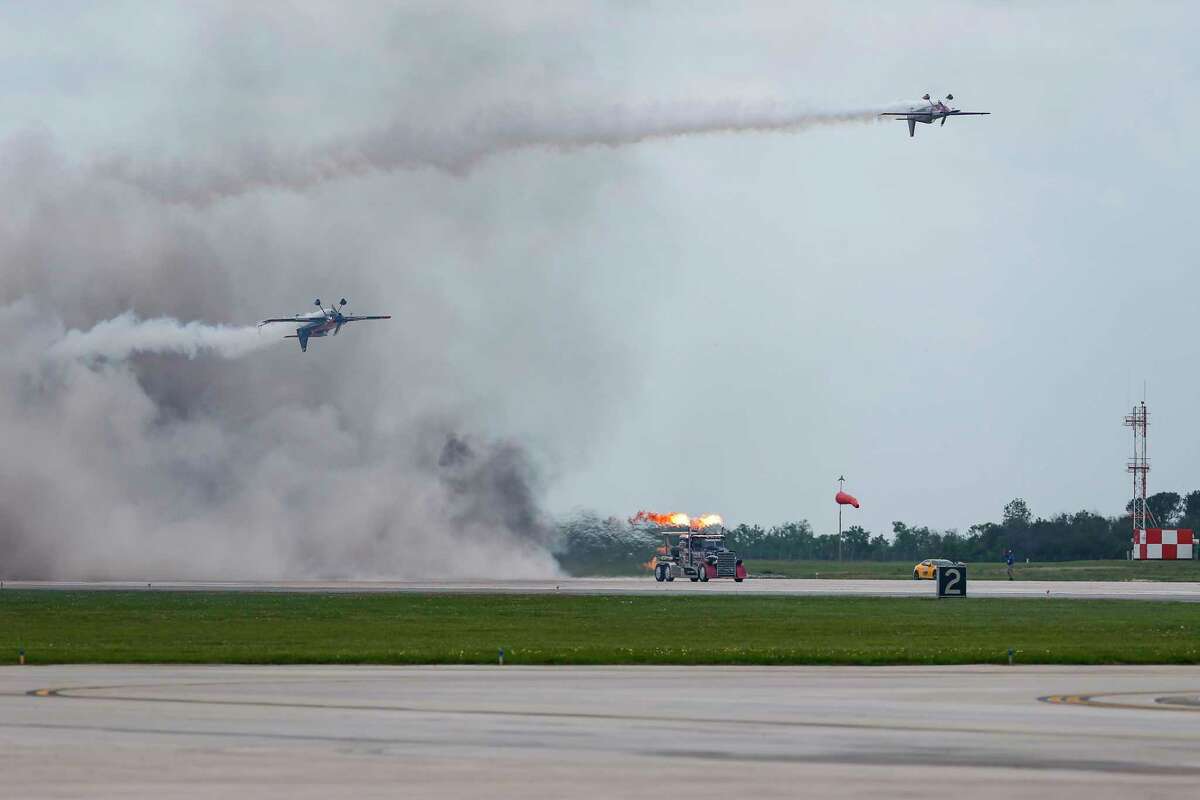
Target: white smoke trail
<point>459,148</point>
<point>119,338</point>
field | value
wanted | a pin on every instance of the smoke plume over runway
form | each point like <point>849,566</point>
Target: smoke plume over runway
<point>161,436</point>
<point>153,213</point>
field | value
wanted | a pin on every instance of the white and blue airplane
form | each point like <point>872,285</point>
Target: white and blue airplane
<point>929,111</point>
<point>319,322</point>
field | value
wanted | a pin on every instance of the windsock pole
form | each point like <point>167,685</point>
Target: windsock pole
<point>841,487</point>
<point>843,499</point>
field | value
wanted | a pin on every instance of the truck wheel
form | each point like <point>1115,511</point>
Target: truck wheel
<point>738,580</point>
<point>916,577</point>
<point>670,577</point>
<point>695,577</point>
<point>659,574</point>
<point>704,574</point>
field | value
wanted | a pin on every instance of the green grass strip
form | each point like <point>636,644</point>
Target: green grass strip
<point>227,628</point>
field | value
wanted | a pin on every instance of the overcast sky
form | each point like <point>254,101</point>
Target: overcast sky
<point>714,323</point>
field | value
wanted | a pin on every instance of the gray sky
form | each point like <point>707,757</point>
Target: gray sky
<point>706,323</point>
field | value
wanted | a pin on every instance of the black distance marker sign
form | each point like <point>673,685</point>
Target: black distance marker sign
<point>952,581</point>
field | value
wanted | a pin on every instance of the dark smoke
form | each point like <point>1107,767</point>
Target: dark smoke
<point>497,485</point>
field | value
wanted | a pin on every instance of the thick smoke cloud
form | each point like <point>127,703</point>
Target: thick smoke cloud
<point>155,435</point>
<point>107,486</point>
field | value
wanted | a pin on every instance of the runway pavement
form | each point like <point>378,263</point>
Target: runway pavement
<point>628,732</point>
<point>1120,590</point>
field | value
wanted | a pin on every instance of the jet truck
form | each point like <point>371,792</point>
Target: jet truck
<point>696,554</point>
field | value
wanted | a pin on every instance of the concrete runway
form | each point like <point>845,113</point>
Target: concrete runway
<point>1119,590</point>
<point>628,732</point>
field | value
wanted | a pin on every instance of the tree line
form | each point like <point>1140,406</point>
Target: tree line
<point>592,542</point>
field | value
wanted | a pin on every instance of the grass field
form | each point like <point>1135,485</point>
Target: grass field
<point>170,627</point>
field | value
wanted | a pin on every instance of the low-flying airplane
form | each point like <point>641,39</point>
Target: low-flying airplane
<point>929,111</point>
<point>319,322</point>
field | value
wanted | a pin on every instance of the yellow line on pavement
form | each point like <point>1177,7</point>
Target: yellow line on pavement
<point>1092,700</point>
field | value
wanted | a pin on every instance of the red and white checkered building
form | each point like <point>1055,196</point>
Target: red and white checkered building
<point>1153,544</point>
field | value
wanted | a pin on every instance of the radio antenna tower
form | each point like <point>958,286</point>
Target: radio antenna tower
<point>1139,465</point>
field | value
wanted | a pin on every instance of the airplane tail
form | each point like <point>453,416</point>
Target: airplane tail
<point>303,337</point>
<point>912,127</point>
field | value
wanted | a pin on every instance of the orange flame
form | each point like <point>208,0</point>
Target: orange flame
<point>677,519</point>
<point>651,564</point>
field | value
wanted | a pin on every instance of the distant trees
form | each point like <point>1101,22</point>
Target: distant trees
<point>611,543</point>
<point>1016,513</point>
<point>1166,507</point>
<point>1190,511</point>
<point>1064,537</point>
<point>856,543</point>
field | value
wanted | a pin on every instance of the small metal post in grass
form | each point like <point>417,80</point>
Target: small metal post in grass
<point>21,656</point>
<point>1010,656</point>
<point>502,656</point>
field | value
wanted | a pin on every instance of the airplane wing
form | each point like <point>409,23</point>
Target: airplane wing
<point>969,113</point>
<point>899,113</point>
<point>285,319</point>
<point>352,318</point>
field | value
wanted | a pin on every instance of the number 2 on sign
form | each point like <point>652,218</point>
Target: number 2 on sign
<point>953,578</point>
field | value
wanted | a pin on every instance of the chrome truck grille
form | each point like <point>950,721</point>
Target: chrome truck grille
<point>726,565</point>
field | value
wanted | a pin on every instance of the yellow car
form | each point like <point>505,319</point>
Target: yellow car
<point>927,569</point>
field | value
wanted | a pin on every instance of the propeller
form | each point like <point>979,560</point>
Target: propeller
<point>336,314</point>
<point>925,96</point>
<point>317,302</point>
<point>949,97</point>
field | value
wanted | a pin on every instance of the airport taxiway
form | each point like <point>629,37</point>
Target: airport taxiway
<point>1100,590</point>
<point>604,732</point>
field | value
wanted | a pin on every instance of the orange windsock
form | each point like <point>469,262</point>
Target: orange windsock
<point>844,499</point>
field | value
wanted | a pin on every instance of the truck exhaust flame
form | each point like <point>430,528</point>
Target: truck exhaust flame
<point>677,519</point>
<point>660,519</point>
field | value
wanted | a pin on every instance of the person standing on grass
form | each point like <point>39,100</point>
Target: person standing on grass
<point>1008,563</point>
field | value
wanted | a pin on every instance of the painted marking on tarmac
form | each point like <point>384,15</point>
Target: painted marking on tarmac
<point>71,693</point>
<point>1186,700</point>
